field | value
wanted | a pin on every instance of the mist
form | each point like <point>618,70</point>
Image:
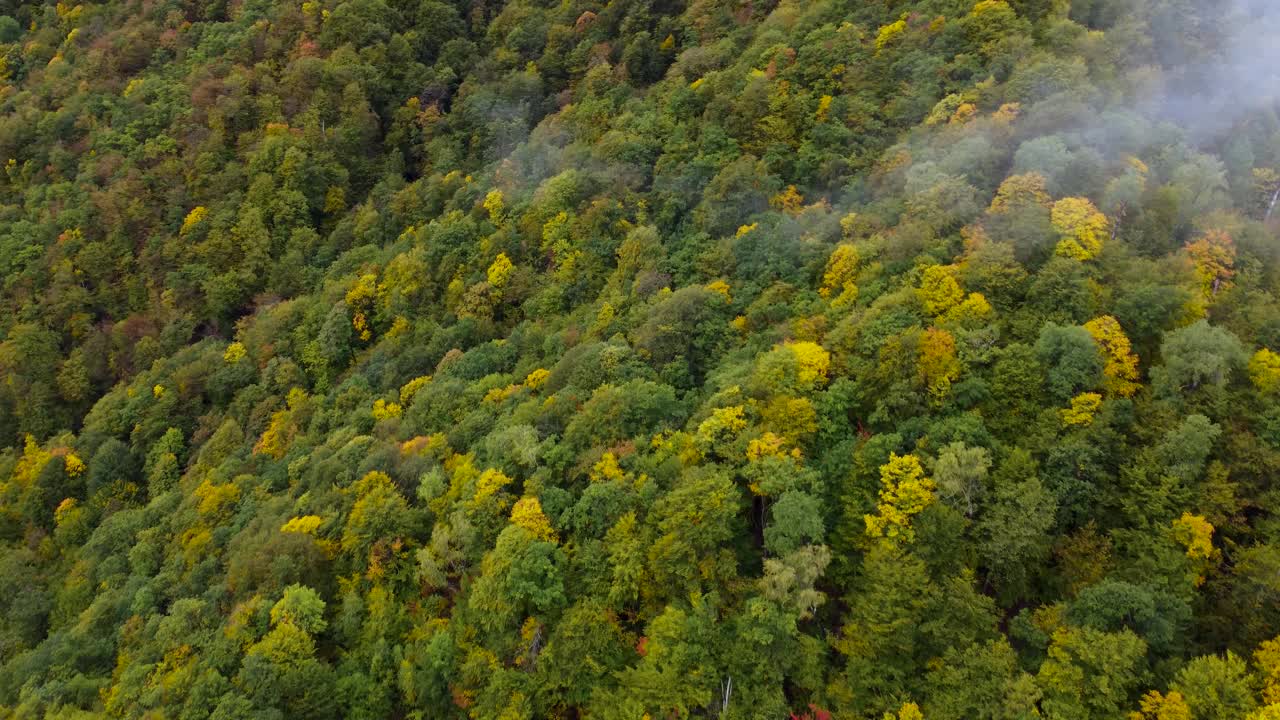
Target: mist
<point>1212,88</point>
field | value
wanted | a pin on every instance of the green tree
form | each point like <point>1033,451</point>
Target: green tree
<point>1072,360</point>
<point>1090,673</point>
<point>1199,355</point>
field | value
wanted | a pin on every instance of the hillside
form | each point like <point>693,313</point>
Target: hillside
<point>640,359</point>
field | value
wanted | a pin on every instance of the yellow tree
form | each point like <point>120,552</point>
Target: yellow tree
<point>1080,226</point>
<point>792,367</point>
<point>720,429</point>
<point>1121,369</point>
<point>1196,534</point>
<point>908,711</point>
<point>904,493</point>
<point>812,362</point>
<point>1264,371</point>
<point>495,204</point>
<point>234,353</point>
<point>1267,660</point>
<point>1156,706</point>
<point>938,365</point>
<point>362,298</point>
<point>888,33</point>
<point>282,428</point>
<point>1083,407</point>
<point>527,513</point>
<point>1214,257</point>
<point>788,201</point>
<point>383,410</point>
<point>499,271</point>
<point>410,390</point>
<point>838,278</point>
<point>939,290</point>
<point>974,310</point>
<point>1019,191</point>
<point>794,417</point>
<point>193,218</point>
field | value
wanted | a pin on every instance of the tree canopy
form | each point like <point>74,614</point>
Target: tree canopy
<point>643,359</point>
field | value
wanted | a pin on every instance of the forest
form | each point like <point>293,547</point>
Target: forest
<point>640,359</point>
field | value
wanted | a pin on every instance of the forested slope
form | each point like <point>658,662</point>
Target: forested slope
<point>639,359</point>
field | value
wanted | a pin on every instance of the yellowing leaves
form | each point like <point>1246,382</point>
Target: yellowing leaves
<point>793,368</point>
<point>498,394</point>
<point>1081,228</point>
<point>537,378</point>
<point>383,410</point>
<point>1156,706</point>
<point>1267,659</point>
<point>335,197</point>
<point>66,510</point>
<point>606,314</point>
<point>984,6</point>
<point>720,287</point>
<point>908,711</point>
<point>1007,113</point>
<point>889,33</point>
<point>839,275</point>
<point>788,201</point>
<point>904,493</point>
<point>377,514</point>
<point>410,390</point>
<point>31,463</point>
<point>813,362</point>
<point>74,466</point>
<point>499,271</point>
<point>770,445</point>
<point>1195,533</point>
<point>942,297</point>
<point>963,114</point>
<point>974,308</point>
<point>1121,369</point>
<point>234,353</point>
<point>527,513</point>
<point>722,426</point>
<point>495,204</point>
<point>305,525</point>
<point>436,445</point>
<point>1020,191</point>
<point>1264,371</point>
<point>824,108</point>
<point>1268,712</point>
<point>1083,407</point>
<point>277,437</point>
<point>195,544</point>
<point>1214,257</point>
<point>793,417</point>
<point>938,364</point>
<point>939,290</point>
<point>216,501</point>
<point>362,299</point>
<point>489,483</point>
<point>193,218</point>
<point>607,469</point>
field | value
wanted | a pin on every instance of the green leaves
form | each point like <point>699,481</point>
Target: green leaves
<point>302,607</point>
